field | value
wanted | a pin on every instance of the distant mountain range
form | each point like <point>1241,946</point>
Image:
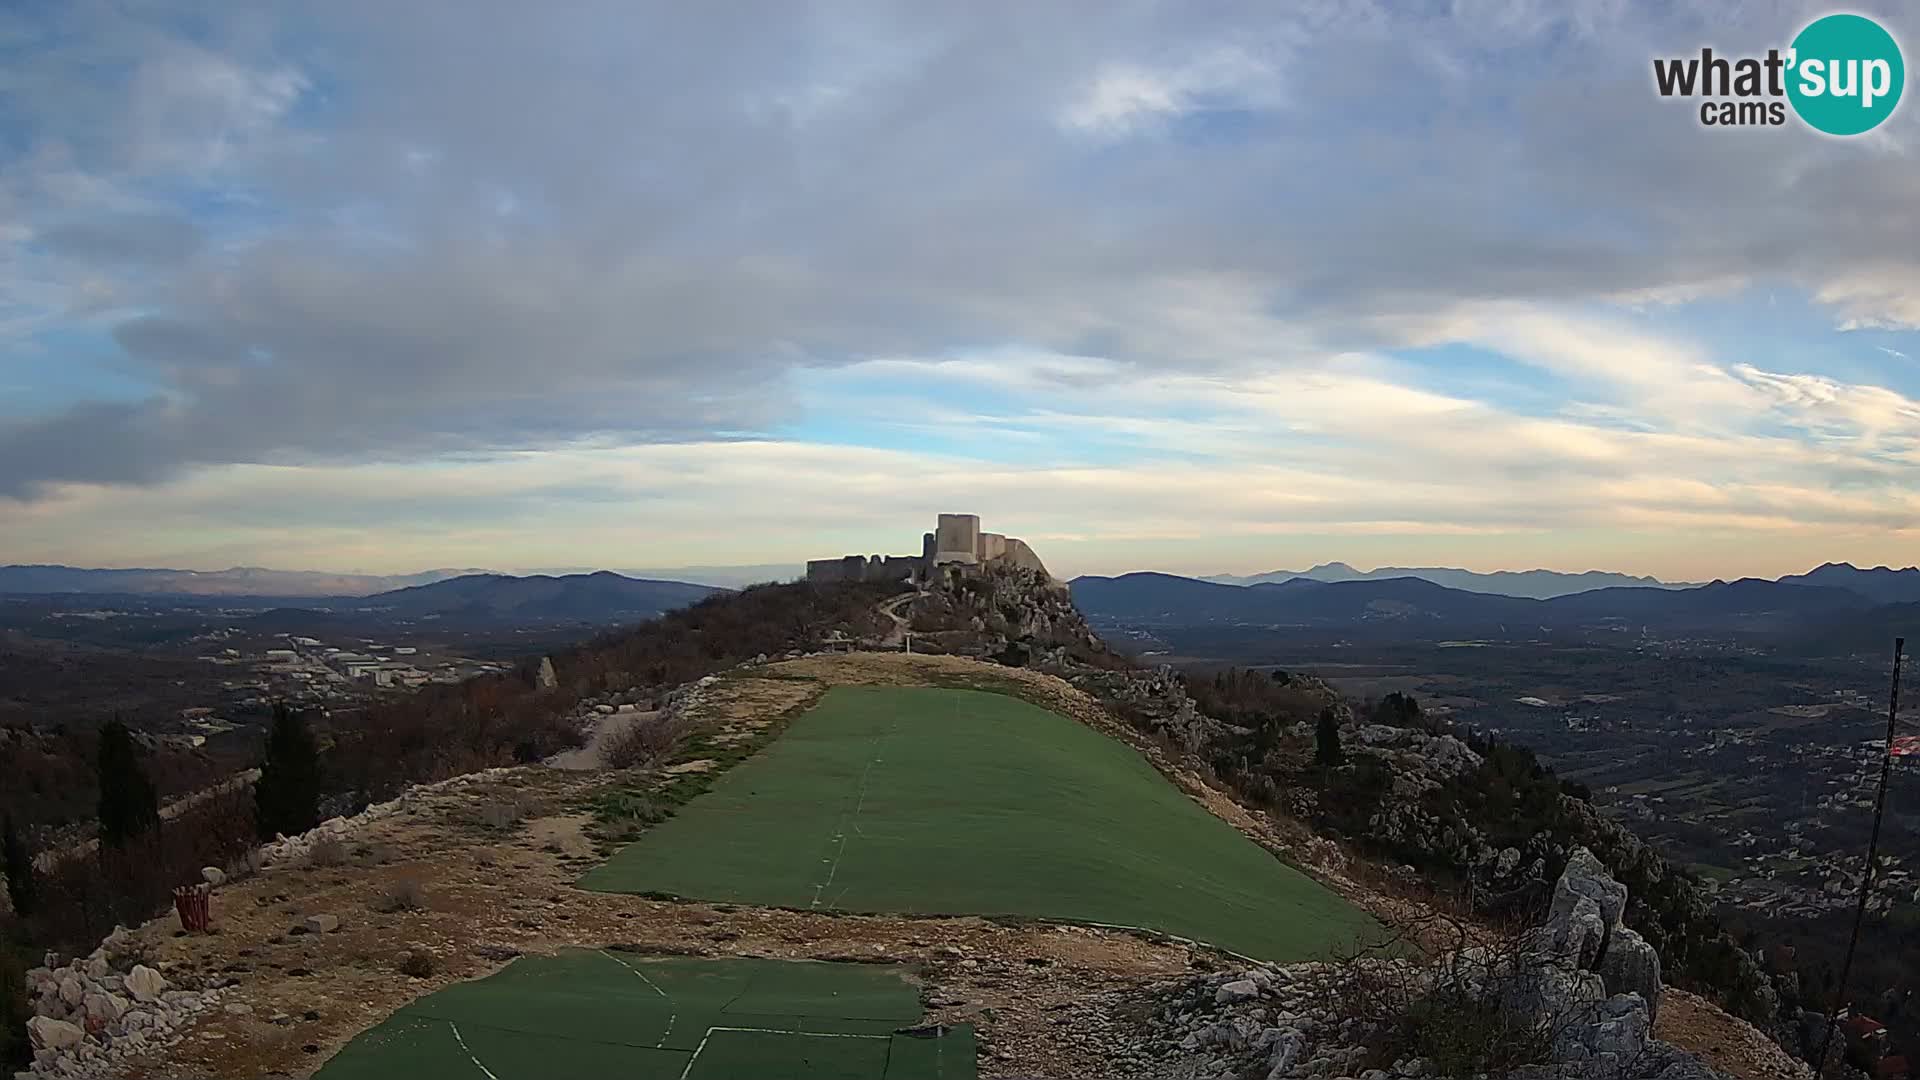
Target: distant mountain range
<point>238,581</point>
<point>1810,607</point>
<point>253,581</point>
<point>598,598</point>
<point>1532,584</point>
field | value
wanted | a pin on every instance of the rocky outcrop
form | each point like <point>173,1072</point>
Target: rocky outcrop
<point>1153,700</point>
<point>1582,990</point>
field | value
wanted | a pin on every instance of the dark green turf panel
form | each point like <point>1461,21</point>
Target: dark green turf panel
<point>401,1048</point>
<point>592,1014</point>
<point>516,1055</point>
<point>931,801</point>
<point>756,1055</point>
<point>912,1057</point>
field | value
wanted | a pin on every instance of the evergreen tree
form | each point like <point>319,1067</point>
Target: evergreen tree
<point>19,867</point>
<point>129,805</point>
<point>1398,710</point>
<point>287,797</point>
<point>1327,739</point>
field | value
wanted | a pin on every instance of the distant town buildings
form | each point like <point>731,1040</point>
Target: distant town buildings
<point>956,541</point>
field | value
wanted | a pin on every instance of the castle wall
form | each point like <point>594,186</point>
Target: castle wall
<point>992,546</point>
<point>1019,554</point>
<point>844,568</point>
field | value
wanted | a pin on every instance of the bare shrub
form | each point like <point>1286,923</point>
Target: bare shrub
<point>418,963</point>
<point>403,895</point>
<point>327,851</point>
<point>643,743</point>
<point>82,898</point>
<point>1461,1012</point>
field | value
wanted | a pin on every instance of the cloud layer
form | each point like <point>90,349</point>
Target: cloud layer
<point>1241,269</point>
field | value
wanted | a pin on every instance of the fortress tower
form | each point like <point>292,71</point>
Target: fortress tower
<point>955,541</point>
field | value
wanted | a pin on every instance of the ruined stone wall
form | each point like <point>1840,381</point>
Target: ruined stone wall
<point>1018,553</point>
<point>845,568</point>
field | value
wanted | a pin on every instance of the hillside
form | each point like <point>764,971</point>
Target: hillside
<point>593,598</point>
<point>382,918</point>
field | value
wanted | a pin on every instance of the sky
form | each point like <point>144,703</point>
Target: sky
<point>1224,287</point>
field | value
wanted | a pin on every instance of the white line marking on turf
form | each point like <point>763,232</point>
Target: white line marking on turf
<point>672,1015</point>
<point>859,805</point>
<point>766,1031</point>
<point>470,1057</point>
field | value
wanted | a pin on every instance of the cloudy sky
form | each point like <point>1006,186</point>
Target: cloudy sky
<point>1195,287</point>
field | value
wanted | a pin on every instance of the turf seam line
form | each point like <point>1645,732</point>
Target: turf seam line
<point>860,803</point>
<point>673,1014</point>
<point>773,1031</point>
<point>470,1054</point>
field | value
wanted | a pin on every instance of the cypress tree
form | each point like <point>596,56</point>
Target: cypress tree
<point>19,867</point>
<point>1327,739</point>
<point>287,797</point>
<point>129,805</point>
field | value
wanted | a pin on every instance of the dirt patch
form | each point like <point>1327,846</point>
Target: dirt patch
<point>1733,1046</point>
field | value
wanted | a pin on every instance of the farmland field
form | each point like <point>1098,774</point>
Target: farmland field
<point>597,1014</point>
<point>938,801</point>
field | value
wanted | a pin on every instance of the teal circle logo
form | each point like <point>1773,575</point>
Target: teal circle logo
<point>1845,74</point>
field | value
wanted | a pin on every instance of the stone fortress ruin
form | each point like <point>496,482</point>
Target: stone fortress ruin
<point>956,543</point>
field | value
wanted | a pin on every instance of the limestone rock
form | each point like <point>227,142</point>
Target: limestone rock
<point>104,1007</point>
<point>321,924</point>
<point>1586,876</point>
<point>145,984</point>
<point>50,1034</point>
<point>1238,990</point>
<point>1631,966</point>
<point>213,876</point>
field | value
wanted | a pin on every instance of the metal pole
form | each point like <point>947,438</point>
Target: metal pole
<point>1873,849</point>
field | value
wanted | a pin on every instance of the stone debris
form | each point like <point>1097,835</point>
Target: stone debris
<point>99,1011</point>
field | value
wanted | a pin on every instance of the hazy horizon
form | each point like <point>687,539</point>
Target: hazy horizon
<point>1209,290</point>
<point>744,572</point>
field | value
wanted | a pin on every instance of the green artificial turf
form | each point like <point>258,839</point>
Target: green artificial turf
<point>941,801</point>
<point>593,1015</point>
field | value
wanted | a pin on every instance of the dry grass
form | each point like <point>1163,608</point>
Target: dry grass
<point>327,851</point>
<point>404,895</point>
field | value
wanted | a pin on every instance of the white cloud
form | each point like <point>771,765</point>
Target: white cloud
<point>1123,98</point>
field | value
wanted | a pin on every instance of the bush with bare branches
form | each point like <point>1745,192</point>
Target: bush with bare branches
<point>643,743</point>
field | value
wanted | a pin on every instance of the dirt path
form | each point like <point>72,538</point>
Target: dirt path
<point>897,636</point>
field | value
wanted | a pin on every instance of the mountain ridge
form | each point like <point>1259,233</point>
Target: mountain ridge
<point>1410,605</point>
